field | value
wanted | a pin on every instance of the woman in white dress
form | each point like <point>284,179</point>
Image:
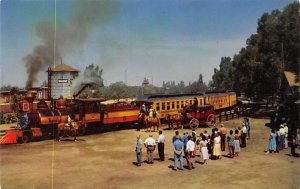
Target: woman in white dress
<point>203,150</point>
<point>217,146</point>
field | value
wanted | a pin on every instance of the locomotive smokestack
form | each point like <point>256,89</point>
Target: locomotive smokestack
<point>30,96</point>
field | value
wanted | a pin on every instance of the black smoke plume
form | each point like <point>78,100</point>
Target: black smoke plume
<point>70,37</point>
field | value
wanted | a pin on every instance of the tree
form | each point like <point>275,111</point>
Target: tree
<point>258,67</point>
<point>93,74</point>
<point>223,78</point>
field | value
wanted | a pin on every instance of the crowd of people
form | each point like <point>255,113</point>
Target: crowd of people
<point>210,146</point>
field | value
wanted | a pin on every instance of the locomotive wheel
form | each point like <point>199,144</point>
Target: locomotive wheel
<point>211,120</point>
<point>194,123</point>
<point>81,130</point>
<point>25,139</point>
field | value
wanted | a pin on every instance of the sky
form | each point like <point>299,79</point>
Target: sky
<point>162,40</point>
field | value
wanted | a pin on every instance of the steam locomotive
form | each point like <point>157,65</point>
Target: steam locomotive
<point>89,113</point>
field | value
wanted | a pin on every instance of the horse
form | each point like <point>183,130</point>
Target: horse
<point>176,118</point>
<point>65,127</point>
<point>149,122</point>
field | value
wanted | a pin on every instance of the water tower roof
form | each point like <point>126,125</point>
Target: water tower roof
<point>63,68</point>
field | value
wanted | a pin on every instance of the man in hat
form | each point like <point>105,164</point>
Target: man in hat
<point>286,131</point>
<point>223,133</point>
<point>150,145</point>
<point>138,150</point>
<point>281,137</point>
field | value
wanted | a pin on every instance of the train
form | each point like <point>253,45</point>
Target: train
<point>94,113</point>
<point>90,114</point>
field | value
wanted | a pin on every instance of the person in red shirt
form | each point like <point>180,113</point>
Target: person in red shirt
<point>223,133</point>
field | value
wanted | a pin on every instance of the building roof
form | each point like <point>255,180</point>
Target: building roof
<point>63,68</point>
<point>291,79</point>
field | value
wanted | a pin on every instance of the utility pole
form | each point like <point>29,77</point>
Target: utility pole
<point>125,77</point>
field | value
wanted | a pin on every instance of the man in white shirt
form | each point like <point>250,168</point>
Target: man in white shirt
<point>286,132</point>
<point>190,147</point>
<point>243,136</point>
<point>281,137</point>
<point>161,146</point>
<point>150,145</point>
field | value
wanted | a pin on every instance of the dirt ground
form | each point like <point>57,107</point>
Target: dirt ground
<point>106,160</point>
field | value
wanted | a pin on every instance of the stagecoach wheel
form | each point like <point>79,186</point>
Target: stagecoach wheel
<point>81,130</point>
<point>194,123</point>
<point>211,120</point>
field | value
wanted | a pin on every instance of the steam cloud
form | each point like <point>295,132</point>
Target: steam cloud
<point>70,37</point>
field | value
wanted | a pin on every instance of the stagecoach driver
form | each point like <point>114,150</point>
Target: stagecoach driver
<point>150,145</point>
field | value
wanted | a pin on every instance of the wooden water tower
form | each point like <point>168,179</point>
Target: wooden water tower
<point>60,79</point>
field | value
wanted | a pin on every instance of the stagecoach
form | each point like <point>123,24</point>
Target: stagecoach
<point>200,115</point>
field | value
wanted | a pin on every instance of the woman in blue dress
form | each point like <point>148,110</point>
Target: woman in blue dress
<point>272,142</point>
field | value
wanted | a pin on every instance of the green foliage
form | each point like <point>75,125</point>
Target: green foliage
<point>257,69</point>
<point>223,78</point>
<point>93,74</point>
<point>193,87</point>
<point>9,88</point>
<point>120,90</point>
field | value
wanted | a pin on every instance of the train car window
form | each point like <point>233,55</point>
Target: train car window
<point>191,101</point>
<point>177,104</point>
<point>157,107</point>
<point>182,105</point>
<point>200,101</point>
<point>173,105</point>
<point>168,105</point>
<point>163,106</point>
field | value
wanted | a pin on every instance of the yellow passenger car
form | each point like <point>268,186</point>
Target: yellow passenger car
<point>172,104</point>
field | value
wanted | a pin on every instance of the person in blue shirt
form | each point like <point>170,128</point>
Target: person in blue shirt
<point>272,142</point>
<point>138,150</point>
<point>185,140</point>
<point>176,136</point>
<point>178,153</point>
<point>247,124</point>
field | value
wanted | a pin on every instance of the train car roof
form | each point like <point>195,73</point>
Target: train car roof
<point>152,97</point>
<point>90,99</point>
<point>218,94</point>
<point>166,96</point>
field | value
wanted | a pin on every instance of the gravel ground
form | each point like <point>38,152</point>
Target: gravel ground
<point>106,160</point>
